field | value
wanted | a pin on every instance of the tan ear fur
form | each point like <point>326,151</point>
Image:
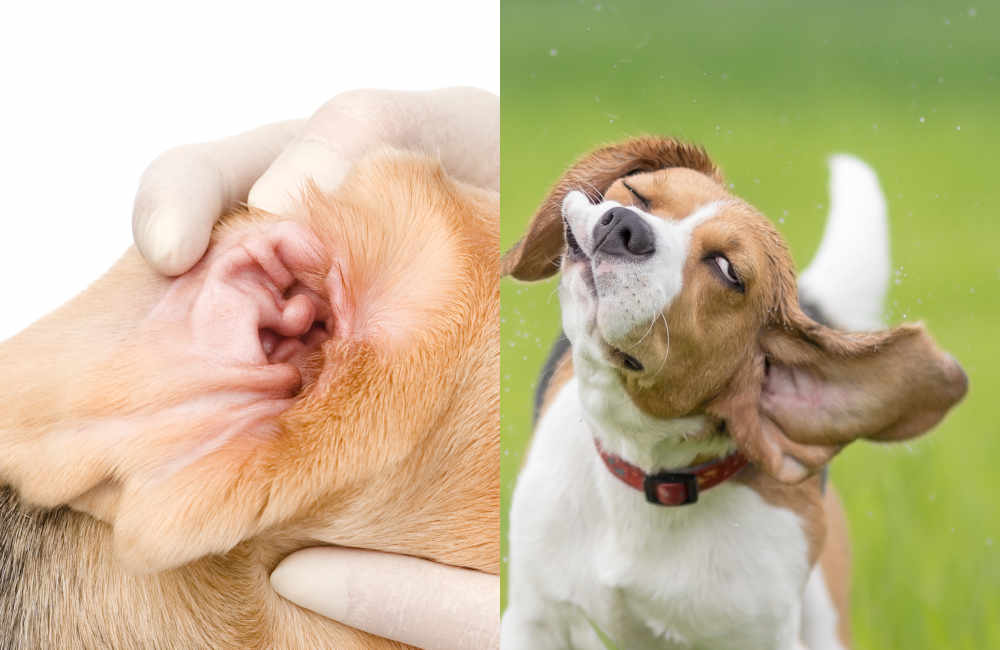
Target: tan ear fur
<point>811,390</point>
<point>536,255</point>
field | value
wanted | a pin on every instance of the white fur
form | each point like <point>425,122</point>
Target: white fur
<point>819,616</point>
<point>849,276</point>
<point>727,572</point>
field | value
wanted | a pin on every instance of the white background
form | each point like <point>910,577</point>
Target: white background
<point>92,92</point>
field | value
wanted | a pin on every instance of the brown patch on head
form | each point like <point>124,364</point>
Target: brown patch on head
<point>669,193</point>
<point>536,255</point>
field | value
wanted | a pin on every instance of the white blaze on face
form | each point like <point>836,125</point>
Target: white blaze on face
<point>630,293</point>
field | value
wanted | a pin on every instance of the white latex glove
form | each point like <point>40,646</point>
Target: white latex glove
<point>184,192</point>
<point>406,599</point>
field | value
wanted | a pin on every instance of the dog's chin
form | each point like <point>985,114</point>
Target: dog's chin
<point>599,351</point>
<point>584,328</point>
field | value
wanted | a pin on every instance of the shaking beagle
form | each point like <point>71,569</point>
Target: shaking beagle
<point>671,496</point>
<point>329,376</point>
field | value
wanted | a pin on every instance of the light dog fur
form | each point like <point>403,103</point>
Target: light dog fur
<point>685,347</point>
<point>329,376</point>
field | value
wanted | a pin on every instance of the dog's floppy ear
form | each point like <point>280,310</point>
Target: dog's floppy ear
<point>536,255</point>
<point>810,390</point>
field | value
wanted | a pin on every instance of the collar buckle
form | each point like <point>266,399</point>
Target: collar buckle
<point>671,488</point>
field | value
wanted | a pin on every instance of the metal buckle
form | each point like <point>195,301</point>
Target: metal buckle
<point>689,481</point>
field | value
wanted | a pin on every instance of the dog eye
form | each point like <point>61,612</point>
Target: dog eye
<point>725,270</point>
<point>640,197</point>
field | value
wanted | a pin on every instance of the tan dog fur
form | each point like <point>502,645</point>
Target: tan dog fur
<point>382,433</point>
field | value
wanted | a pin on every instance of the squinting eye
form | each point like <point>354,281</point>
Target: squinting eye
<point>726,270</point>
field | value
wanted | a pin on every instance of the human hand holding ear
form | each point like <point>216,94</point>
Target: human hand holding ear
<point>406,599</point>
<point>185,191</point>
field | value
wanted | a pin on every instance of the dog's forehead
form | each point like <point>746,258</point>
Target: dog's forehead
<point>676,192</point>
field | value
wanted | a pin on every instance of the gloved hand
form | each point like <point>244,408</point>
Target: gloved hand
<point>398,597</point>
<point>184,192</point>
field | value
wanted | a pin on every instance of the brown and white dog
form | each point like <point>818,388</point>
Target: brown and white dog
<point>329,376</point>
<point>690,365</point>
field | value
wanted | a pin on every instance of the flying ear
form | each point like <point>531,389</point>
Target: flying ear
<point>811,390</point>
<point>536,255</point>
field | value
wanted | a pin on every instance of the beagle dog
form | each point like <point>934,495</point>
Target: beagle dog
<point>326,376</point>
<point>672,496</point>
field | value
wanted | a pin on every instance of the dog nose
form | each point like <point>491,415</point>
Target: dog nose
<point>620,232</point>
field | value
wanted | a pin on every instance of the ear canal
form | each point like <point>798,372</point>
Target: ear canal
<point>536,255</point>
<point>821,389</point>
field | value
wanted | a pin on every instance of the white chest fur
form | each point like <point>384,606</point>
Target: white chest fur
<point>727,572</point>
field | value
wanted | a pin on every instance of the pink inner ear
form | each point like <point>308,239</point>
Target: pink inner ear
<point>787,388</point>
<point>797,400</point>
<point>248,303</point>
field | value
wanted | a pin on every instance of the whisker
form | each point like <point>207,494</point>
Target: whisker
<point>667,352</point>
<point>648,330</point>
<point>598,194</point>
<point>590,190</point>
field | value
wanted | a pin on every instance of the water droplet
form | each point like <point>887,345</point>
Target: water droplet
<point>553,52</point>
<point>922,120</point>
<point>972,12</point>
<point>958,128</point>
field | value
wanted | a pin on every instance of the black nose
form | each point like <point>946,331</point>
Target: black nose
<point>623,233</point>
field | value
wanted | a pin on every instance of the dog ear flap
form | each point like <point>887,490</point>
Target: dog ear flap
<point>536,256</point>
<point>811,390</point>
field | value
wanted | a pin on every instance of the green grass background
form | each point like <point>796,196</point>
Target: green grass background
<point>771,89</point>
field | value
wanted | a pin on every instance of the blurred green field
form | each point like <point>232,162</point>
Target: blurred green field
<point>771,90</point>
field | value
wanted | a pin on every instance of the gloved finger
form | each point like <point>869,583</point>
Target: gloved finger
<point>185,191</point>
<point>459,126</point>
<point>339,134</point>
<point>462,127</point>
<point>406,599</point>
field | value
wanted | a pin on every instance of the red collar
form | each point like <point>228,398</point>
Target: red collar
<point>677,487</point>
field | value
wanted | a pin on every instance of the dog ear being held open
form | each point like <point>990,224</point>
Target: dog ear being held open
<point>326,376</point>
